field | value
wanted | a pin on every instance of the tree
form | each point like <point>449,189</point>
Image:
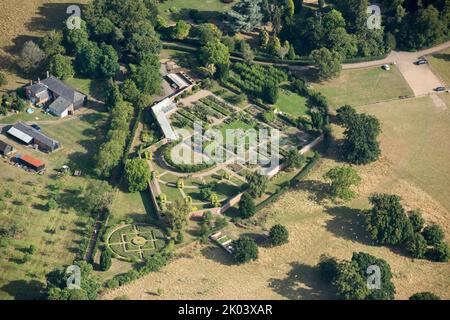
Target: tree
<point>327,63</point>
<point>20,105</point>
<point>440,252</point>
<point>61,66</point>
<point>105,260</point>
<point>76,39</point>
<point>328,268</point>
<point>264,39</point>
<point>416,219</point>
<point>98,196</point>
<point>350,284</point>
<point>208,32</point>
<point>244,16</point>
<point>176,214</point>
<point>147,75</point>
<point>345,115</point>
<point>87,60</point>
<point>109,61</point>
<point>217,54</point>
<point>247,52</point>
<point>3,80</point>
<point>247,207</point>
<point>424,296</point>
<point>244,250</point>
<point>342,179</point>
<point>137,174</point>
<point>294,160</point>
<point>31,56</point>
<point>181,30</point>
<point>278,235</point>
<point>387,222</point>
<point>257,184</point>
<point>360,144</point>
<point>271,93</point>
<point>417,246</point>
<point>51,43</point>
<point>433,234</point>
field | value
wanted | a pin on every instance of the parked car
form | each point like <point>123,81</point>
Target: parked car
<point>386,67</point>
<point>440,89</point>
<point>421,61</point>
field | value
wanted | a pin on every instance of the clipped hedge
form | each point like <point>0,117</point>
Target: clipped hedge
<point>185,168</point>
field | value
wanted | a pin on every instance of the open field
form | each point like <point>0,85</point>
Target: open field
<point>440,63</point>
<point>364,86</point>
<point>319,226</point>
<point>55,233</point>
<point>173,8</point>
<point>27,20</point>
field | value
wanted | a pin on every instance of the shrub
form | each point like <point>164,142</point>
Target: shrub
<point>278,235</point>
<point>424,296</point>
<point>244,250</point>
<point>105,260</point>
<point>417,221</point>
<point>247,206</point>
<point>328,268</point>
<point>417,246</point>
<point>440,252</point>
<point>433,234</point>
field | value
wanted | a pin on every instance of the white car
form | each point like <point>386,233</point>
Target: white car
<point>386,67</point>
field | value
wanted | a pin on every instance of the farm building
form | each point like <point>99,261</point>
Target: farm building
<point>5,149</point>
<point>62,99</point>
<point>30,135</point>
<point>30,162</point>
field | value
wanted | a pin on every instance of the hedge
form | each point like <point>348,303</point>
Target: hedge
<point>186,168</point>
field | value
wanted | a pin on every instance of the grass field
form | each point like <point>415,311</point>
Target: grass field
<point>171,8</point>
<point>55,234</point>
<point>365,86</point>
<point>291,103</point>
<point>440,62</point>
<point>411,166</point>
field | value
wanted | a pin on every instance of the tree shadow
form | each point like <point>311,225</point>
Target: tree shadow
<point>318,190</point>
<point>218,255</point>
<point>442,56</point>
<point>259,238</point>
<point>51,16</point>
<point>24,290</point>
<point>302,283</point>
<point>348,223</point>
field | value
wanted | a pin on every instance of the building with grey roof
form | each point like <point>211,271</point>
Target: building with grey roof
<point>29,135</point>
<point>62,99</point>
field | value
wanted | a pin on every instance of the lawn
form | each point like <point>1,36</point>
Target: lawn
<point>93,88</point>
<point>174,9</point>
<point>235,125</point>
<point>440,62</point>
<point>291,103</point>
<point>365,86</point>
<point>37,116</point>
<point>56,234</point>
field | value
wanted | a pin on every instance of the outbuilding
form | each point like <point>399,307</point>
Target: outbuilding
<point>32,163</point>
<point>5,149</point>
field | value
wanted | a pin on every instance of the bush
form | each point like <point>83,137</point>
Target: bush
<point>105,260</point>
<point>247,207</point>
<point>417,246</point>
<point>433,234</point>
<point>278,235</point>
<point>424,296</point>
<point>244,250</point>
<point>440,252</point>
<point>417,221</point>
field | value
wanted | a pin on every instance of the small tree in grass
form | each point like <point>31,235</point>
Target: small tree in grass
<point>433,234</point>
<point>417,246</point>
<point>424,296</point>
<point>440,252</point>
<point>105,260</point>
<point>247,207</point>
<point>278,235</point>
<point>342,179</point>
<point>245,250</point>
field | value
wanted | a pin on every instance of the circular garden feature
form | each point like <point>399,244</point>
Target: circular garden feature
<point>136,241</point>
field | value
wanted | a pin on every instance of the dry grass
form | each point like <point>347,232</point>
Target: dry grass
<point>27,20</point>
<point>412,166</point>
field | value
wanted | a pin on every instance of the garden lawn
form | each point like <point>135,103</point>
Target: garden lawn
<point>291,103</point>
<point>364,86</point>
<point>170,8</point>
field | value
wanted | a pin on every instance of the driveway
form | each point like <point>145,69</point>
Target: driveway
<point>420,78</point>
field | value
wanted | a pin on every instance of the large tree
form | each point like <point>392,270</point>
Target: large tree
<point>387,222</point>
<point>327,63</point>
<point>60,66</point>
<point>247,206</point>
<point>257,184</point>
<point>137,174</point>
<point>176,214</point>
<point>216,54</point>
<point>244,250</point>
<point>31,56</point>
<point>244,16</point>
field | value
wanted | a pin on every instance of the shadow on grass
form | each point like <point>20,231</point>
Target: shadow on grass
<point>302,283</point>
<point>51,16</point>
<point>218,255</point>
<point>24,290</point>
<point>442,56</point>
<point>348,223</point>
<point>317,189</point>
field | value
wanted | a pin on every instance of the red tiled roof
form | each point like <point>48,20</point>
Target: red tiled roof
<point>33,161</point>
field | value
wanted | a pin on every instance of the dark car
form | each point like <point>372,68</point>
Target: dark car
<point>35,126</point>
<point>440,89</point>
<point>421,61</point>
